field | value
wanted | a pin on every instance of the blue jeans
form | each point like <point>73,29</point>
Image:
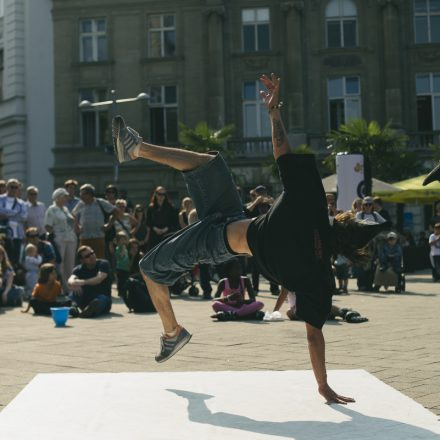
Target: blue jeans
<point>105,303</point>
<point>217,202</point>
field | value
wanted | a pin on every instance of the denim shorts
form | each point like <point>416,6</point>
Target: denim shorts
<point>217,202</point>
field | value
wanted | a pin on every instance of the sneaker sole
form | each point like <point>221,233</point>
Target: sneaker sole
<point>179,346</point>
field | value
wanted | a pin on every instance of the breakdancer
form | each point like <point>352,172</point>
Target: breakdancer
<point>292,242</point>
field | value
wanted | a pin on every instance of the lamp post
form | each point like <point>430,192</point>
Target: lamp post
<point>113,104</point>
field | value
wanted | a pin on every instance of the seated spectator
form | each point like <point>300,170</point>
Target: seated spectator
<point>10,295</point>
<point>135,255</point>
<point>390,255</point>
<point>122,262</point>
<point>231,303</point>
<point>44,248</point>
<point>91,283</point>
<point>46,292</point>
<point>434,243</point>
<point>36,211</point>
<point>70,186</point>
<point>368,213</point>
<point>32,262</point>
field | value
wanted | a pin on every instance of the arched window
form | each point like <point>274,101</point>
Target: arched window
<point>341,23</point>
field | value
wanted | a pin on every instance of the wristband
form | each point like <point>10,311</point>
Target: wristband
<point>277,106</point>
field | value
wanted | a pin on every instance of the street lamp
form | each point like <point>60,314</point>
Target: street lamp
<point>113,103</point>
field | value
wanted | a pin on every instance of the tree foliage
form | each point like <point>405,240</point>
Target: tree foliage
<point>385,147</point>
<point>203,139</point>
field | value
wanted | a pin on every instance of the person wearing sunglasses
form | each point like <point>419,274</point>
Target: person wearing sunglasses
<point>292,247</point>
<point>91,283</point>
<point>368,213</point>
<point>13,215</point>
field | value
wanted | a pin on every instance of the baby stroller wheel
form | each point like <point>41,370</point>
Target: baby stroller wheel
<point>193,291</point>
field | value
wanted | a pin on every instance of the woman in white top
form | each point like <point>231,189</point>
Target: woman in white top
<point>60,222</point>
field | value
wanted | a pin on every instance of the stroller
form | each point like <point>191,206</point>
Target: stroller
<point>389,265</point>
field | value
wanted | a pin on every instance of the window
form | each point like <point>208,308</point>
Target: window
<point>256,30</point>
<point>427,21</point>
<point>93,40</point>
<point>341,23</point>
<point>344,99</point>
<point>94,121</point>
<point>255,119</point>
<point>428,101</point>
<point>162,36</point>
<point>163,114</point>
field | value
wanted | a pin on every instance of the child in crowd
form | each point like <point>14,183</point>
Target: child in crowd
<point>341,265</point>
<point>122,261</point>
<point>32,263</point>
<point>230,300</point>
<point>46,292</point>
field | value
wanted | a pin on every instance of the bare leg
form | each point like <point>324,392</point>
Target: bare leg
<point>182,160</point>
<point>161,299</point>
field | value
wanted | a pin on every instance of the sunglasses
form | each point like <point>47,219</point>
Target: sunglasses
<point>88,255</point>
<point>161,194</point>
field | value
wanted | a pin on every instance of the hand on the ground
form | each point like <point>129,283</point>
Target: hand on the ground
<point>270,97</point>
<point>331,397</point>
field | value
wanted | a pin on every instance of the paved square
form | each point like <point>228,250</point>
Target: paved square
<point>241,405</point>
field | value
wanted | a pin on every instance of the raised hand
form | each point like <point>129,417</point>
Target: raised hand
<point>271,95</point>
<point>331,397</point>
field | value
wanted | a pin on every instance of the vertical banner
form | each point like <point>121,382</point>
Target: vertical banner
<point>350,179</point>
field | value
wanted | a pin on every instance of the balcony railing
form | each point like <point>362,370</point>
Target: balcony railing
<point>251,147</point>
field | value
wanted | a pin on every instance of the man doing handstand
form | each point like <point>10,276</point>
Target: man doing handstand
<point>292,247</point>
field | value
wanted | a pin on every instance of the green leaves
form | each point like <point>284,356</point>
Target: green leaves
<point>386,147</point>
<point>203,139</point>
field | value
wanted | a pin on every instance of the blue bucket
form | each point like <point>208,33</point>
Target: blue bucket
<point>60,315</point>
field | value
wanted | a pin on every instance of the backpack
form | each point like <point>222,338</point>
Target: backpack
<point>137,297</point>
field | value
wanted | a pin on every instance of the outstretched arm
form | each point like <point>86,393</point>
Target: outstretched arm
<point>271,100</point>
<point>316,342</point>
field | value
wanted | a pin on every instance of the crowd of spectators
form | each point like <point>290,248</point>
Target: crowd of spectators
<point>71,252</point>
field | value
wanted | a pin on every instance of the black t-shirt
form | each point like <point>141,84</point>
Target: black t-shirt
<point>291,242</point>
<point>91,292</point>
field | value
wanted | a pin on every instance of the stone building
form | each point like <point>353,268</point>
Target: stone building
<point>27,133</point>
<point>199,60</point>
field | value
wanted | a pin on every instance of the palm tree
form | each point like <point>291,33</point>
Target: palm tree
<point>203,139</point>
<point>385,148</point>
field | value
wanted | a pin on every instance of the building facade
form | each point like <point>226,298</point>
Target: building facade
<point>199,60</point>
<point>27,133</point>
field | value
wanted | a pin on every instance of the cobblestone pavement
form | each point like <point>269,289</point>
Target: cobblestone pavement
<point>400,344</point>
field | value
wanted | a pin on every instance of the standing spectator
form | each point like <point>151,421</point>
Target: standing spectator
<point>44,248</point>
<point>2,187</point>
<point>121,220</point>
<point>36,210</point>
<point>10,295</point>
<point>70,186</point>
<point>140,231</point>
<point>91,214</point>
<point>378,207</point>
<point>91,283</point>
<point>32,262</point>
<point>122,262</point>
<point>341,265</point>
<point>436,216</point>
<point>162,217</point>
<point>368,212</point>
<point>13,215</point>
<point>434,242</point>
<point>111,194</point>
<point>331,205</point>
<point>60,224</point>
<point>185,208</point>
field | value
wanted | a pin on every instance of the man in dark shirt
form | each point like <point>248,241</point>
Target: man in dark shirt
<point>91,283</point>
<point>293,245</point>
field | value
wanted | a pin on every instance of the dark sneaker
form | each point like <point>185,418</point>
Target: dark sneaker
<point>91,310</point>
<point>433,175</point>
<point>125,139</point>
<point>170,346</point>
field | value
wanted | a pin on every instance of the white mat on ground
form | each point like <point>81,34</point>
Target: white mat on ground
<point>212,405</point>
